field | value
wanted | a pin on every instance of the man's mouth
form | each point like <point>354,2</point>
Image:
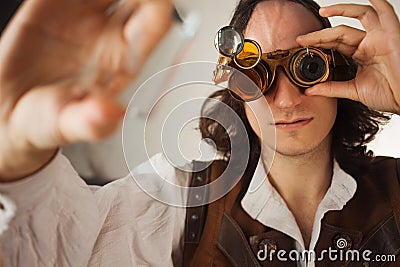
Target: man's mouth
<point>295,123</point>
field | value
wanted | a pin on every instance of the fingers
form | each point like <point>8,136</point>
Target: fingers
<point>387,15</point>
<point>49,117</point>
<point>380,15</point>
<point>342,38</point>
<point>131,34</point>
<point>335,89</point>
<point>104,5</point>
<point>121,13</point>
<point>364,13</point>
<point>144,30</point>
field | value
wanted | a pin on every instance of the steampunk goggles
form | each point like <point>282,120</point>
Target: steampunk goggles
<point>305,66</point>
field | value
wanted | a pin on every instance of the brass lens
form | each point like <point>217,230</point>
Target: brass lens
<point>309,67</point>
<point>249,56</point>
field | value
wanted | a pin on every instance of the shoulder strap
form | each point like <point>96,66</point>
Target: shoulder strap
<point>195,216</point>
<point>385,238</point>
<point>395,192</point>
<point>398,168</point>
<point>391,175</point>
<point>395,196</point>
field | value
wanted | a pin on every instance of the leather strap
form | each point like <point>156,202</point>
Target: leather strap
<point>394,192</point>
<point>398,169</point>
<point>195,216</point>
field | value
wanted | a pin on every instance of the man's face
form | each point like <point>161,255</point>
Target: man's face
<point>303,123</point>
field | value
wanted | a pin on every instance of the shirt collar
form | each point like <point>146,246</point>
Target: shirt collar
<point>264,204</point>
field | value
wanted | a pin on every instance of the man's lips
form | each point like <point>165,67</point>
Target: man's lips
<point>294,123</point>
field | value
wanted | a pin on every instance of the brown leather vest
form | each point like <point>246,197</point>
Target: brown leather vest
<point>223,234</point>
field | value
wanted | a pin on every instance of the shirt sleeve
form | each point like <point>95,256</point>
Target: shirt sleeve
<point>7,211</point>
<point>60,221</point>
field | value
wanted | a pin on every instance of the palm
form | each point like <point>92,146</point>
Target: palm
<point>65,61</point>
<point>377,73</point>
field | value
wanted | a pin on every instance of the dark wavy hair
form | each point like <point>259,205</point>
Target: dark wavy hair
<point>355,125</point>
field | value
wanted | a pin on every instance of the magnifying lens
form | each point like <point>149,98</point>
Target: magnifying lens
<point>229,42</point>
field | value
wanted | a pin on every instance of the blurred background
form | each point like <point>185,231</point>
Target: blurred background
<point>187,42</point>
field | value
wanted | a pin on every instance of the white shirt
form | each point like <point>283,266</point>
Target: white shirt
<point>7,211</point>
<point>60,221</point>
<point>264,204</point>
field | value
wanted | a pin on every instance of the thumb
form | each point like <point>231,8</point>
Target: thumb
<point>346,89</point>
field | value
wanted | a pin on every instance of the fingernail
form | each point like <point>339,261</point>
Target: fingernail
<point>309,91</point>
<point>300,38</point>
<point>321,11</point>
<point>304,36</point>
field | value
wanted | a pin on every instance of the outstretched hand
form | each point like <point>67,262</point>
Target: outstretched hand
<point>376,50</point>
<point>63,64</point>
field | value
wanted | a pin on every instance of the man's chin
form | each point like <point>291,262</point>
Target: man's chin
<point>294,150</point>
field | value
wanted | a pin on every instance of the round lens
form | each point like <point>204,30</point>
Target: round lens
<point>248,84</point>
<point>310,67</point>
<point>250,55</point>
<point>229,41</point>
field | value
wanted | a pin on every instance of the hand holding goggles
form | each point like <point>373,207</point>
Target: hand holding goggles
<point>304,66</point>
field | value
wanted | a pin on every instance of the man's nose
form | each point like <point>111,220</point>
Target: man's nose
<point>286,94</point>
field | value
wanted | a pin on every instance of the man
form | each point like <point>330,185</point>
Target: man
<point>310,131</point>
<point>121,225</point>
